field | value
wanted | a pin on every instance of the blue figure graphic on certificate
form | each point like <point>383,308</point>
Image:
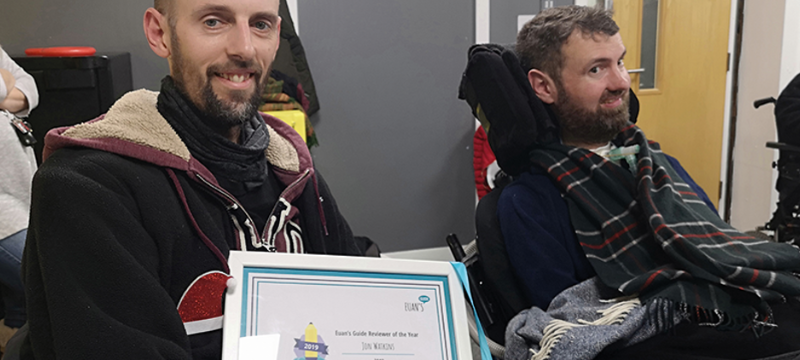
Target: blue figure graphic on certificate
<point>310,345</point>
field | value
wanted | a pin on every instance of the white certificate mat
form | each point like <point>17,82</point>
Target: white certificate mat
<point>295,307</point>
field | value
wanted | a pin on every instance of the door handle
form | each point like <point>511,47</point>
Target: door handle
<point>636,71</point>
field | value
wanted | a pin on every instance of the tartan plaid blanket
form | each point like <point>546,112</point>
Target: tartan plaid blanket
<point>649,234</point>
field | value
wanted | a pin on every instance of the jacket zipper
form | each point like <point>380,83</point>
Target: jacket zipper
<point>236,204</point>
<point>305,174</point>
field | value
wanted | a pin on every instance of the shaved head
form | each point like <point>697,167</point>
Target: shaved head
<point>166,8</point>
<point>163,6</point>
<point>220,53</point>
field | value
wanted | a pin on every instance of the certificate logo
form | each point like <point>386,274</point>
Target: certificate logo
<point>310,345</point>
<point>417,306</point>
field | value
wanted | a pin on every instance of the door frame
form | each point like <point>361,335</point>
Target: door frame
<point>731,97</point>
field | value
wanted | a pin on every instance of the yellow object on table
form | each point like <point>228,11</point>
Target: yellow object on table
<point>295,118</point>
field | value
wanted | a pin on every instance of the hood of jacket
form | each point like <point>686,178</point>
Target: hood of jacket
<point>133,127</point>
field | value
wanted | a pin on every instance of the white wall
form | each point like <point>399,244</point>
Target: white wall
<point>790,58</point>
<point>766,60</point>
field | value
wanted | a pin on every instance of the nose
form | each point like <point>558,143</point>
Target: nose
<point>619,79</point>
<point>240,42</point>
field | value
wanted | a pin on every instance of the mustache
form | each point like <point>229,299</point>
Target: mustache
<point>234,64</point>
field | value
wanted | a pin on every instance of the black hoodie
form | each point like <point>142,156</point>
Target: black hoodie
<point>124,220</point>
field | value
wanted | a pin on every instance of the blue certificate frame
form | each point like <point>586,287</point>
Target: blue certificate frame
<point>290,306</point>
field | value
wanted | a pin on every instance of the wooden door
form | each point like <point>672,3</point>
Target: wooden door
<point>684,111</point>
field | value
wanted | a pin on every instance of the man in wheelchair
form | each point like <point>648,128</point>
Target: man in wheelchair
<point>618,250</point>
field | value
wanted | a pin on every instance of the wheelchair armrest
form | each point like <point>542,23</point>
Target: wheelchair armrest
<point>770,100</point>
<point>783,146</point>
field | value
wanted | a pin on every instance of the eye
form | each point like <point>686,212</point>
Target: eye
<point>211,22</point>
<point>594,70</point>
<point>262,25</point>
<point>621,62</point>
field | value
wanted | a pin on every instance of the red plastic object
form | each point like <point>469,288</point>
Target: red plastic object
<point>34,51</point>
<point>61,51</point>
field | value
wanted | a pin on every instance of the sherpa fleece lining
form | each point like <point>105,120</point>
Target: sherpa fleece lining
<point>135,118</point>
<point>281,153</point>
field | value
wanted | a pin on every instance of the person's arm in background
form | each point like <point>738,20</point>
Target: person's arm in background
<point>7,83</point>
<point>18,92</point>
<point>13,100</point>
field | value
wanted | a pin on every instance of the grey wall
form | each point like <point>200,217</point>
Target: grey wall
<point>395,140</point>
<point>106,25</point>
<point>503,18</point>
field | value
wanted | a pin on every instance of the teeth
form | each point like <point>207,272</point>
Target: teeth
<point>235,78</point>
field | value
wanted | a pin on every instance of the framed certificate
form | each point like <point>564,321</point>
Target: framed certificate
<point>298,307</point>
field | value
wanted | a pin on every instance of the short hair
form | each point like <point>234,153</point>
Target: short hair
<point>541,40</point>
<point>163,6</point>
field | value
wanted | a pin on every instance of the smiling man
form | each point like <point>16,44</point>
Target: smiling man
<point>604,214</point>
<point>218,61</point>
<point>136,211</point>
<point>591,91</point>
<point>576,60</point>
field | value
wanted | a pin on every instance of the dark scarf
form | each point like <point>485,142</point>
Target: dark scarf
<point>237,167</point>
<point>650,235</point>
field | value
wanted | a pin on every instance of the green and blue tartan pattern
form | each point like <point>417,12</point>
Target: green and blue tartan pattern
<point>651,235</point>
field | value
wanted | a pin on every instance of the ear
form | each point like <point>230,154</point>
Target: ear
<point>156,29</point>
<point>543,85</point>
<point>278,31</point>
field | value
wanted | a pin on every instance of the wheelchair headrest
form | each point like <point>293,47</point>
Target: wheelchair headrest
<point>496,87</point>
<point>497,90</point>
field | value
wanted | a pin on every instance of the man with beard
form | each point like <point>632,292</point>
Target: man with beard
<point>136,209</point>
<point>575,56</point>
<point>604,214</point>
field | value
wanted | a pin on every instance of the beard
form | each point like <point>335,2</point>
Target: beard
<point>197,88</point>
<point>583,126</point>
<point>240,107</point>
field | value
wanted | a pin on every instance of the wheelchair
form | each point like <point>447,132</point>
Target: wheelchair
<point>785,222</point>
<point>496,88</point>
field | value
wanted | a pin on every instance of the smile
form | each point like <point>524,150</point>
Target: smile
<point>236,78</point>
<point>612,103</point>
